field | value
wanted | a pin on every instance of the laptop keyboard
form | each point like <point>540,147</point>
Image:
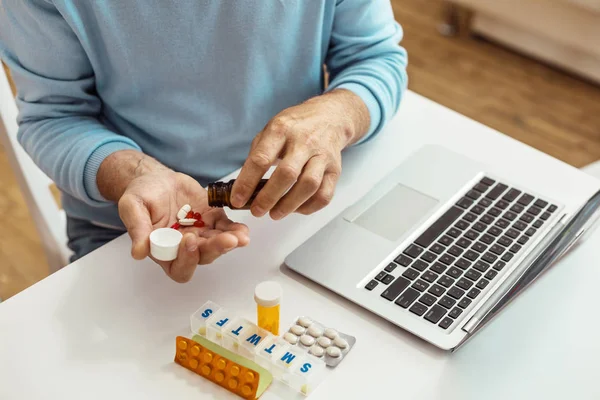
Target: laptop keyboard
<point>448,266</point>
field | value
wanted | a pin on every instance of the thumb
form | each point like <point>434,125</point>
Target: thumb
<point>136,218</point>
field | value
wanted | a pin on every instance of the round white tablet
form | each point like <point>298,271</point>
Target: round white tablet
<point>304,321</point>
<point>187,221</point>
<point>314,330</point>
<point>297,330</point>
<point>340,342</point>
<point>331,333</point>
<point>183,211</point>
<point>324,342</point>
<point>307,340</point>
<point>334,352</point>
<point>316,351</point>
<point>290,338</point>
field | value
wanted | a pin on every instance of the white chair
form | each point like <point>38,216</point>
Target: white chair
<point>49,219</point>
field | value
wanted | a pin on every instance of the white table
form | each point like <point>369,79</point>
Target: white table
<point>105,326</point>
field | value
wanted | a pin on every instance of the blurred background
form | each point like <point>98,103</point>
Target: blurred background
<point>528,68</point>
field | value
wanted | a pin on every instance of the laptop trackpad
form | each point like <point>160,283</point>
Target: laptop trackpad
<point>396,212</point>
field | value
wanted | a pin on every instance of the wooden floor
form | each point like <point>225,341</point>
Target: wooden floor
<point>538,105</point>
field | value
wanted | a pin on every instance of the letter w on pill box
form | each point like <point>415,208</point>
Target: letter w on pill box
<point>288,364</point>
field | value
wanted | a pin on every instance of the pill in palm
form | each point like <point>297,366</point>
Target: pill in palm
<point>187,221</point>
<point>183,211</point>
<point>307,340</point>
<point>297,330</point>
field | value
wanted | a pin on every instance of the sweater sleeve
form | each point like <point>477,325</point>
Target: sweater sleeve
<point>59,108</point>
<point>364,56</point>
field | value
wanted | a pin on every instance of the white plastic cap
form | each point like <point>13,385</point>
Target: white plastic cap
<point>164,243</point>
<point>267,294</point>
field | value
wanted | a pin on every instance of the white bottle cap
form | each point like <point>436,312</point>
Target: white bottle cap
<point>267,294</point>
<point>164,243</point>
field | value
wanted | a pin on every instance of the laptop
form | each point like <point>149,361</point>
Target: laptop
<point>440,245</point>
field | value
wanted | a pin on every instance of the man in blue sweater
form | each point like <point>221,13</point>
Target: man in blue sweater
<point>131,106</point>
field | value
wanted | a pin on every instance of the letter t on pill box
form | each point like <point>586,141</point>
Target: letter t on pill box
<point>268,298</point>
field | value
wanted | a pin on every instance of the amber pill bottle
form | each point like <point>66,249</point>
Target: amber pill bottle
<point>219,194</point>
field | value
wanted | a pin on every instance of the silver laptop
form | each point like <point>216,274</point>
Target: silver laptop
<point>440,245</point>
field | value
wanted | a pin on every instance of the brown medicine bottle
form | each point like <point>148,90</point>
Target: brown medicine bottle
<point>219,194</point>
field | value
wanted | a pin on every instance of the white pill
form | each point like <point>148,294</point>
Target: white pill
<point>324,342</point>
<point>340,342</point>
<point>334,352</point>
<point>316,351</point>
<point>331,333</point>
<point>314,330</point>
<point>181,214</point>
<point>304,321</point>
<point>183,211</point>
<point>187,221</point>
<point>307,340</point>
<point>297,330</point>
<point>290,338</point>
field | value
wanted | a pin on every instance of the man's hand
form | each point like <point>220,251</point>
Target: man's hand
<point>149,196</point>
<point>309,139</point>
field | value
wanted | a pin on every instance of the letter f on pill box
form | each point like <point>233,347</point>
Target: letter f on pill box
<point>268,298</point>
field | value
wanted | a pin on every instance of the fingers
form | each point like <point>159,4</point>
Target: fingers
<point>136,218</point>
<point>240,231</point>
<point>309,182</point>
<point>212,248</point>
<point>183,267</point>
<point>322,197</point>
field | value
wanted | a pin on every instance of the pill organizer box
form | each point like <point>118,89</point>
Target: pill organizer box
<point>289,364</point>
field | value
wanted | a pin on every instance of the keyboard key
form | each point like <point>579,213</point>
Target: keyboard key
<point>505,241</point>
<point>513,233</point>
<point>489,257</point>
<point>436,290</point>
<point>456,292</point>
<point>410,274</point>
<point>453,232</point>
<point>545,215</point>
<point>482,284</point>
<point>380,276</point>
<point>446,322</point>
<point>481,266</point>
<point>420,265</point>
<point>473,293</point>
<point>403,260</point>
<point>446,281</point>
<point>387,280</point>
<point>439,226</point>
<point>455,251</point>
<point>447,302</point>
<point>527,218</point>
<point>511,195</point>
<point>473,275</point>
<point>487,239</point>
<point>494,231</point>
<point>497,249</point>
<point>480,187</point>
<point>530,232</point>
<point>480,227</point>
<point>446,240</point>
<point>418,309</point>
<point>420,285</point>
<point>491,274</point>
<point>499,265</point>
<point>464,242</point>
<point>525,199</point>
<point>465,203</point>
<point>523,239</point>
<point>479,247</point>
<point>485,203</point>
<point>430,276</point>
<point>454,272</point>
<point>540,203</point>
<point>502,223</point>
<point>413,251</point>
<point>487,181</point>
<point>390,267</point>
<point>447,259</point>
<point>478,210</point>
<point>435,314</point>
<point>509,215</point>
<point>455,313</point>
<point>496,191</point>
<point>407,298</point>
<point>520,225</point>
<point>515,248</point>
<point>552,208</point>
<point>464,283</point>
<point>487,219</point>
<point>538,223</point>
<point>427,299</point>
<point>507,257</point>
<point>473,194</point>
<point>437,248</point>
<point>429,256</point>
<point>395,288</point>
<point>462,225</point>
<point>464,303</point>
<point>470,217</point>
<point>502,204</point>
<point>495,212</point>
<point>534,210</point>
<point>463,264</point>
<point>371,285</point>
<point>471,255</point>
<point>438,268</point>
<point>471,234</point>
<point>517,208</point>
